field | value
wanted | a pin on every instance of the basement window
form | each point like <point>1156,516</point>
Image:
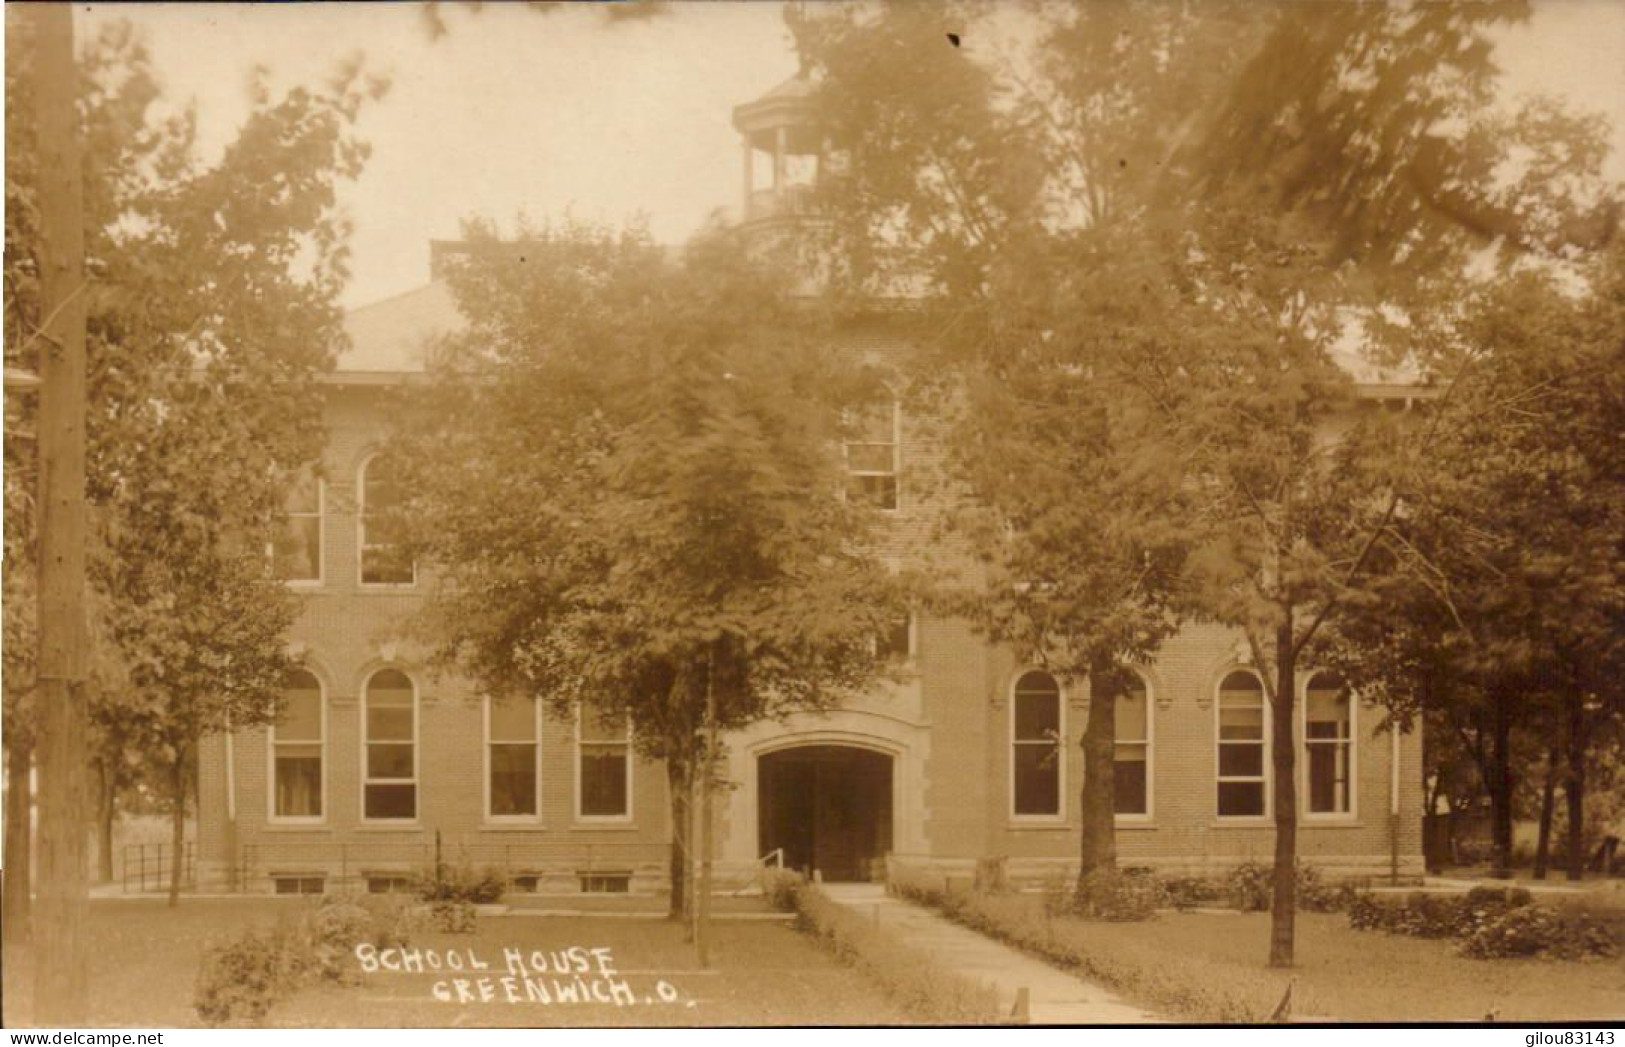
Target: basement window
<point>299,884</point>
<point>388,885</point>
<point>606,883</point>
<point>526,884</point>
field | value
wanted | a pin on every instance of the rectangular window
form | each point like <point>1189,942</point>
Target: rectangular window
<point>299,884</point>
<point>389,885</point>
<point>1242,778</point>
<point>1131,792</point>
<point>871,455</point>
<point>897,642</point>
<point>296,549</point>
<point>390,788</point>
<point>1036,747</point>
<point>512,756</point>
<point>296,750</point>
<point>384,558</point>
<point>1328,741</point>
<point>605,883</point>
<point>604,766</point>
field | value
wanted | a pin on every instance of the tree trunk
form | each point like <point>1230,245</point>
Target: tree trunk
<point>61,970</point>
<point>677,784</point>
<point>106,814</point>
<point>1574,784</point>
<point>1284,903</point>
<point>1548,797</point>
<point>1098,803</point>
<point>1501,781</point>
<point>177,834</point>
<point>14,910</point>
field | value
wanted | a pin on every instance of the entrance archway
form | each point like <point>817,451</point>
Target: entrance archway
<point>828,806</point>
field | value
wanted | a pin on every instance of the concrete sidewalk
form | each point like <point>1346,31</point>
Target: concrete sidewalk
<point>1054,998</point>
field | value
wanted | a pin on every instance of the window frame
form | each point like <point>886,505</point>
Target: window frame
<point>1266,742</point>
<point>1059,817</point>
<point>631,796</point>
<point>1352,741</point>
<point>361,530</point>
<point>321,539</point>
<point>512,819</point>
<point>896,471</point>
<point>1150,744</point>
<point>366,779</point>
<point>271,817</point>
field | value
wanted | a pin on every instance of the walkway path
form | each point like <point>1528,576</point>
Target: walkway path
<point>1054,998</point>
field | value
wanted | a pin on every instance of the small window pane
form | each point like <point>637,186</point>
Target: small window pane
<point>298,781</point>
<point>1129,792</point>
<point>296,549</point>
<point>1038,708</point>
<point>603,781</point>
<point>1240,799</point>
<point>1328,778</point>
<point>303,493</point>
<point>513,780</point>
<point>513,720</point>
<point>389,687</point>
<point>870,458</point>
<point>1241,761</point>
<point>894,642</point>
<point>389,725</point>
<point>1129,719</point>
<point>1241,724</point>
<point>391,800</point>
<point>299,718</point>
<point>878,491</point>
<point>875,423</point>
<point>389,761</point>
<point>596,727</point>
<point>1037,779</point>
<point>1327,711</point>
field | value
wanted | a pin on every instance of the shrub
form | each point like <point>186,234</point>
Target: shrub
<point>452,917</point>
<point>1107,894</point>
<point>239,980</point>
<point>459,883</point>
<point>779,887</point>
<point>1249,887</point>
<point>1531,930</point>
<point>929,992</point>
<point>992,874</point>
<point>1188,892</point>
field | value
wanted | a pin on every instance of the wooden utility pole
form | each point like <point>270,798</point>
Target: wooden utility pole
<point>59,913</point>
<point>702,889</point>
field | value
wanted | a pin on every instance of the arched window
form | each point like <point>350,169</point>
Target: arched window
<point>872,456</point>
<point>389,735</point>
<point>513,758</point>
<point>1036,750</point>
<point>1131,791</point>
<point>1328,744</point>
<point>1243,746</point>
<point>384,560</point>
<point>298,737</point>
<point>296,548</point>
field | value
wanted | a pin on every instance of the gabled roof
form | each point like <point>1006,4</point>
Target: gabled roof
<point>391,337</point>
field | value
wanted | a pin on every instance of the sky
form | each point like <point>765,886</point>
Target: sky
<point>571,112</point>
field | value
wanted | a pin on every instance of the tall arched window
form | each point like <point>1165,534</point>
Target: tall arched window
<point>872,456</point>
<point>389,735</point>
<point>1243,746</point>
<point>1328,744</point>
<point>1131,790</point>
<point>298,737</point>
<point>384,560</point>
<point>1036,750</point>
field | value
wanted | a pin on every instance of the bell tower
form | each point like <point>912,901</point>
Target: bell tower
<point>782,147</point>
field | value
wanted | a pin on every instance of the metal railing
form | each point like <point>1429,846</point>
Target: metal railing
<point>149,866</point>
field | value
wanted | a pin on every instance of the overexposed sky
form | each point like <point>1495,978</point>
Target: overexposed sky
<point>514,111</point>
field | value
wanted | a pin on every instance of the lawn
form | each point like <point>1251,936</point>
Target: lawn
<point>1192,966</point>
<point>144,958</point>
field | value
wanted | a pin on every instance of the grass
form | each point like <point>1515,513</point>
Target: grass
<point>1209,966</point>
<point>144,959</point>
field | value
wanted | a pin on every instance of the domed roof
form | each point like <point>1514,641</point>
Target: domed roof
<point>788,103</point>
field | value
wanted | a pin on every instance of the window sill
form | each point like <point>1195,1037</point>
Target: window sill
<point>1309,821</point>
<point>380,589</point>
<point>1133,824</point>
<point>1249,822</point>
<point>1054,825</point>
<point>606,826</point>
<point>390,827</point>
<point>297,827</point>
<point>511,827</point>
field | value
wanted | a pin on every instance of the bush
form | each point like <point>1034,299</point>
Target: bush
<point>1107,894</point>
<point>459,883</point>
<point>1530,930</point>
<point>1249,887</point>
<point>1189,892</point>
<point>452,917</point>
<point>993,874</point>
<point>779,887</point>
<point>930,993</point>
<point>239,980</point>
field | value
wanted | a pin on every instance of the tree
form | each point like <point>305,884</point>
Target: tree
<point>627,475</point>
<point>212,308</point>
<point>1305,170</point>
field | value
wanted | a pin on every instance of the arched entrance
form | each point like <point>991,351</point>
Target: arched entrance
<point>828,806</point>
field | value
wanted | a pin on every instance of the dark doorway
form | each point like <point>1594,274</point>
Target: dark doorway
<point>827,806</point>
